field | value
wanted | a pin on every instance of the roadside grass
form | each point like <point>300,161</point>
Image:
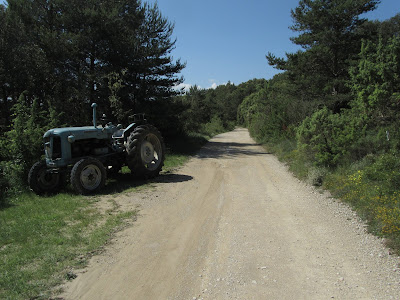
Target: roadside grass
<point>370,186</point>
<point>44,239</point>
<point>174,160</point>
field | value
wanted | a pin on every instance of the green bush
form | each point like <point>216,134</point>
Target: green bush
<point>12,179</point>
<point>21,147</point>
<point>328,138</point>
<point>385,171</point>
<point>214,127</point>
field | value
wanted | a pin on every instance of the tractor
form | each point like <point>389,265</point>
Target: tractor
<point>87,155</point>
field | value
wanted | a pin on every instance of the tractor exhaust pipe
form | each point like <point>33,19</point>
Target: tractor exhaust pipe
<point>94,105</point>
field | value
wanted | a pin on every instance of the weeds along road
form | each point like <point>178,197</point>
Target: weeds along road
<point>233,223</point>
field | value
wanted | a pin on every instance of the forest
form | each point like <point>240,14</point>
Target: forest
<point>331,113</point>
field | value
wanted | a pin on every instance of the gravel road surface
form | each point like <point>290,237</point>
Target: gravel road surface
<point>233,223</point>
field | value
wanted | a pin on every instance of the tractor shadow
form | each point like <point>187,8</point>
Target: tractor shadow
<point>122,182</point>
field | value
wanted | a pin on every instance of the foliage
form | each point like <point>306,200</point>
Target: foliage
<point>345,84</point>
<point>214,110</point>
<point>328,138</point>
<point>21,146</point>
<point>214,127</point>
<point>376,80</point>
<point>272,111</point>
<point>65,53</point>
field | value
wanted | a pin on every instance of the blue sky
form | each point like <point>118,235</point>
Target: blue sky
<point>227,40</point>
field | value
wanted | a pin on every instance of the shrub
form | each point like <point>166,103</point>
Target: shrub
<point>214,127</point>
<point>327,138</point>
<point>385,171</point>
<point>21,146</point>
<point>12,179</point>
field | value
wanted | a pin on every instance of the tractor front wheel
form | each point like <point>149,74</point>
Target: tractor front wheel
<point>42,181</point>
<point>88,176</point>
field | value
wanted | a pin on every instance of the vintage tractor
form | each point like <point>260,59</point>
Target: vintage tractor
<point>88,154</point>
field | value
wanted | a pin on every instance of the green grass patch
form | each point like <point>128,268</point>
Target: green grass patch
<point>174,160</point>
<point>43,238</point>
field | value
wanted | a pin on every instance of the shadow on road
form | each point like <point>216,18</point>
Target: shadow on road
<point>215,149</point>
<point>172,178</point>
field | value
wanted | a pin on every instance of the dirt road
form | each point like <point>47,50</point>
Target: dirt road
<point>235,224</point>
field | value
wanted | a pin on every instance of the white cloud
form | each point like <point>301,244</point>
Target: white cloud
<point>185,86</point>
<point>214,85</point>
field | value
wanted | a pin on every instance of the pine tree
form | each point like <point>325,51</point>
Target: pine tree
<point>329,37</point>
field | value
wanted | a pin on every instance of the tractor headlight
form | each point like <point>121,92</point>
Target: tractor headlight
<point>71,138</point>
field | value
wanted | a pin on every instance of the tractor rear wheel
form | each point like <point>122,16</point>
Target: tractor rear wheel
<point>42,181</point>
<point>88,176</point>
<point>146,151</point>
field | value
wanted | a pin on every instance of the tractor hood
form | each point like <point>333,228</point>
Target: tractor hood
<point>81,133</point>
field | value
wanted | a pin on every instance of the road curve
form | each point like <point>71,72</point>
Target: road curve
<point>233,223</point>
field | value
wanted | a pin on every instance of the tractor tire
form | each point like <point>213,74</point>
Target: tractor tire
<point>146,152</point>
<point>88,176</point>
<point>42,182</point>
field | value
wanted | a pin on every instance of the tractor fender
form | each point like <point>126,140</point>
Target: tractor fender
<point>129,129</point>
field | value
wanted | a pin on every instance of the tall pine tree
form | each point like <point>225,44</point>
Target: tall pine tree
<point>330,39</point>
